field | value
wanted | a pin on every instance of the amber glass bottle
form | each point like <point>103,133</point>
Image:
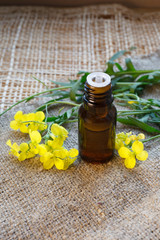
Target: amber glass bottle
<point>97,119</point>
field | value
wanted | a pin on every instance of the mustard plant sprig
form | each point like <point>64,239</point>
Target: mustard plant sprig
<point>127,84</point>
<point>27,99</point>
<point>146,111</point>
<point>51,152</point>
<point>130,147</point>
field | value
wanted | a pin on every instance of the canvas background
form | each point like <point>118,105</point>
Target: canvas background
<point>87,201</point>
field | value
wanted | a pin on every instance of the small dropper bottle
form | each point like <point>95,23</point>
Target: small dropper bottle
<point>97,119</point>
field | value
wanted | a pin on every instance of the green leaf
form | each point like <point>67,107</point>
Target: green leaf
<point>142,78</point>
<point>121,53</point>
<point>119,67</point>
<point>118,55</point>
<point>110,70</point>
<point>137,123</point>
<point>154,102</point>
<point>56,93</point>
<point>129,65</point>
<point>61,83</point>
<point>77,86</point>
<point>60,119</point>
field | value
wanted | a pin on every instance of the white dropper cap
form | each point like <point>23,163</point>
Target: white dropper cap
<point>98,79</point>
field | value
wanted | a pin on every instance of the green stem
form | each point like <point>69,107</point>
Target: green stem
<point>130,83</point>
<point>126,112</point>
<point>64,102</point>
<point>32,96</point>
<point>70,121</point>
<point>151,138</point>
<point>40,82</point>
<point>134,72</point>
<point>126,94</point>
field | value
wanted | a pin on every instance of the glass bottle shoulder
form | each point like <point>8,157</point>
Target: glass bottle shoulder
<point>85,112</point>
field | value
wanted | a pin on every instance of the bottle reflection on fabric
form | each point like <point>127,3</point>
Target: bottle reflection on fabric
<point>97,120</point>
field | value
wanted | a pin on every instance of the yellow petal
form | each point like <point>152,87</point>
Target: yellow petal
<point>33,127</point>
<point>30,117</point>
<point>58,142</point>
<point>118,144</point>
<point>121,135</point>
<point>18,115</point>
<point>9,143</point>
<point>137,147</point>
<point>141,136</point>
<point>47,156</point>
<point>48,164</point>
<point>58,130</point>
<point>24,147</point>
<point>61,164</point>
<point>128,134</point>
<point>14,125</point>
<point>62,153</point>
<point>39,116</point>
<point>23,128</point>
<point>35,136</point>
<point>130,162</point>
<point>127,141</point>
<point>42,149</point>
<point>55,129</point>
<point>124,152</point>
<point>22,157</point>
<point>73,153</point>
<point>133,137</point>
<point>15,147</point>
<point>42,127</point>
<point>142,156</point>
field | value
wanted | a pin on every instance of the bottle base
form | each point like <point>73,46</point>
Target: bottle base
<point>95,160</point>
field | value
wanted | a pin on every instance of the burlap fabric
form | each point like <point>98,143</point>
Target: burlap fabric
<point>87,201</point>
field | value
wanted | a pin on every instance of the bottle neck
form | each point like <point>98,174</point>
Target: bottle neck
<point>97,101</point>
<point>97,98</point>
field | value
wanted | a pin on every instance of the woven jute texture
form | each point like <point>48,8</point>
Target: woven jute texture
<point>87,201</point>
<point>53,43</point>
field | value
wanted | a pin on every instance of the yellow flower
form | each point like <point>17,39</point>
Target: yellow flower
<point>59,132</point>
<point>124,152</point>
<point>118,143</point>
<point>127,140</point>
<point>25,152</point>
<point>65,158</point>
<point>140,136</point>
<point>48,160</point>
<point>42,149</point>
<point>37,119</point>
<point>142,156</point>
<point>36,138</point>
<point>137,148</point>
<point>62,159</point>
<point>129,156</point>
<point>14,148</point>
<point>121,139</point>
<point>17,123</point>
<point>130,161</point>
<point>27,122</point>
<point>56,143</point>
<point>133,137</point>
<point>130,148</point>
